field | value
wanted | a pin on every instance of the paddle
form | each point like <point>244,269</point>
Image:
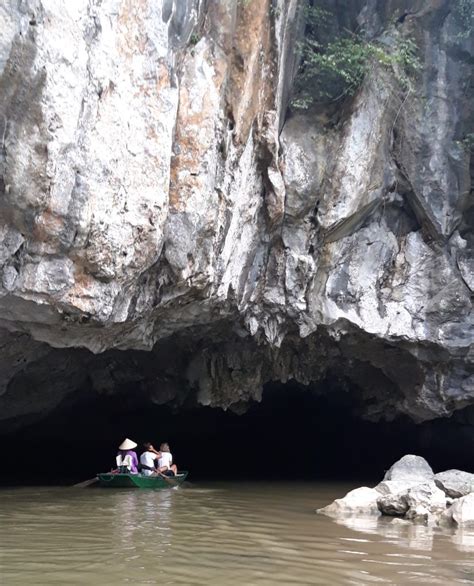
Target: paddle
<point>86,483</point>
<point>169,479</point>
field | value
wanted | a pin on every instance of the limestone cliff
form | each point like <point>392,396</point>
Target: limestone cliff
<point>159,195</point>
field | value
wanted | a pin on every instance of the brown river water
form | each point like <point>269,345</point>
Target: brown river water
<point>216,534</point>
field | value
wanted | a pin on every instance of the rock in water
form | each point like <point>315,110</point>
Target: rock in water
<point>424,502</point>
<point>394,505</point>
<point>411,468</point>
<point>408,490</point>
<point>410,498</point>
<point>393,496</point>
<point>455,483</point>
<point>462,511</point>
<point>359,501</point>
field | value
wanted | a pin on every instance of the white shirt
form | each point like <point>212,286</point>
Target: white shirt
<point>165,460</point>
<point>148,458</point>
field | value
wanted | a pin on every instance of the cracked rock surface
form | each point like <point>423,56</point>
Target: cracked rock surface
<point>158,197</point>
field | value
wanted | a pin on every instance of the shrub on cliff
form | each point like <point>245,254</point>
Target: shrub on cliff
<point>332,70</point>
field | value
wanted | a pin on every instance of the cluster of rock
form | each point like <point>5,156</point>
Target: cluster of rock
<point>410,489</point>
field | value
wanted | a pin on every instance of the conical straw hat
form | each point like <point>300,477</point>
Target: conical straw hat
<point>127,444</point>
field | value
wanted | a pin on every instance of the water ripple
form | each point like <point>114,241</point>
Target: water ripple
<point>243,534</point>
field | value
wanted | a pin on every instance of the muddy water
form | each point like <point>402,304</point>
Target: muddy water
<point>216,534</point>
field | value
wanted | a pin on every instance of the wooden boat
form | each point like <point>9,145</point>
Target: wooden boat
<point>108,480</point>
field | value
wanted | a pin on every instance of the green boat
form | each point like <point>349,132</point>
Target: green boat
<point>108,480</point>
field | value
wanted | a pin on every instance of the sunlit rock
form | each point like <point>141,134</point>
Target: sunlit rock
<point>462,511</point>
<point>360,501</point>
<point>410,468</point>
<point>425,502</point>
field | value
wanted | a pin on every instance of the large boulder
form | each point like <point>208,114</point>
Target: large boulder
<point>455,483</point>
<point>360,501</point>
<point>410,468</point>
<point>461,511</point>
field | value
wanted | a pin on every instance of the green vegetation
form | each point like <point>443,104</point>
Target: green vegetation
<point>335,69</point>
<point>194,39</point>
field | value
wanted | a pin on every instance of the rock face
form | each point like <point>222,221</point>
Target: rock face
<point>157,193</point>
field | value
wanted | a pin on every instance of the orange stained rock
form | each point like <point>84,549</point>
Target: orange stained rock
<point>251,89</point>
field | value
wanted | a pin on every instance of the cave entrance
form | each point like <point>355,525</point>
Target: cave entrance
<point>294,433</point>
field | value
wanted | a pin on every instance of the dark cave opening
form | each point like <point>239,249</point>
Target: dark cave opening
<point>294,433</point>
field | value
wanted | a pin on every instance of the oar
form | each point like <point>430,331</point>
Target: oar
<point>169,479</point>
<point>86,483</point>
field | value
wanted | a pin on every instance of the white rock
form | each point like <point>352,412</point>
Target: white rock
<point>393,487</point>
<point>425,501</point>
<point>361,500</point>
<point>411,468</point>
<point>462,511</point>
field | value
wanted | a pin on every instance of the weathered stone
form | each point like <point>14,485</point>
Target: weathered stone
<point>360,501</point>
<point>410,468</point>
<point>411,498</point>
<point>393,501</point>
<point>393,504</point>
<point>394,487</point>
<point>455,483</point>
<point>425,502</point>
<point>462,511</point>
<point>408,491</point>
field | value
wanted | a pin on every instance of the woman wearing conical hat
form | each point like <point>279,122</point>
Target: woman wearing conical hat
<point>126,449</point>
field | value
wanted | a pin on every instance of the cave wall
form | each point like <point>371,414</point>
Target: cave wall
<point>157,193</point>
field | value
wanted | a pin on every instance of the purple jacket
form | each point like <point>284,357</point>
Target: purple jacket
<point>123,453</point>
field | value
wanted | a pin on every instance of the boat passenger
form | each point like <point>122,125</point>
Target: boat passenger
<point>148,460</point>
<point>126,449</point>
<point>165,461</point>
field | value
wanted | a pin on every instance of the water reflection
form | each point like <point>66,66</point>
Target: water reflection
<point>464,540</point>
<point>142,523</point>
<point>255,534</point>
<point>408,534</point>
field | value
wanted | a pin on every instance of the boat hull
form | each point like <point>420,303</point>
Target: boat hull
<point>108,480</point>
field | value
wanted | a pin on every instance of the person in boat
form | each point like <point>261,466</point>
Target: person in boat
<point>126,448</point>
<point>165,461</point>
<point>149,460</point>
